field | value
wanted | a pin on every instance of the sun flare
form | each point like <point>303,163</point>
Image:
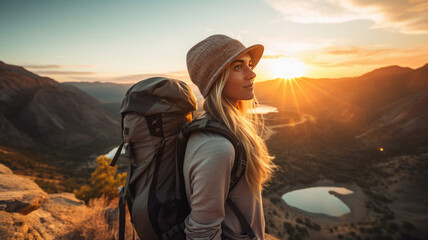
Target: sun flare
<point>286,68</point>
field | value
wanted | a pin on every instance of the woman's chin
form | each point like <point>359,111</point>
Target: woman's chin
<point>250,96</point>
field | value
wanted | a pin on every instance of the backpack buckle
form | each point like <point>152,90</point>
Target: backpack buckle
<point>128,152</point>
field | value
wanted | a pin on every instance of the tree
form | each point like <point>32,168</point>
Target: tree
<point>104,181</point>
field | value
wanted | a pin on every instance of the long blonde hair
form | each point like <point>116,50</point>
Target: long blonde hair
<point>248,128</point>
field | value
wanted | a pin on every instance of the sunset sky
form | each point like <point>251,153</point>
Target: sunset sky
<point>127,41</point>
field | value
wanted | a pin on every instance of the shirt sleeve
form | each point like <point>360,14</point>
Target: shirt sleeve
<point>207,169</point>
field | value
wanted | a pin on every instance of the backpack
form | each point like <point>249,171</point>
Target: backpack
<point>156,124</point>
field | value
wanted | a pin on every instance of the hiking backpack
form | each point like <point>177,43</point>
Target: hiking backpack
<point>156,124</point>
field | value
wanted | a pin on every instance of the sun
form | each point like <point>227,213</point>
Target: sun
<point>286,68</point>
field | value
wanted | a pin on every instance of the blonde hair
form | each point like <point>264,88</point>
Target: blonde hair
<point>248,128</point>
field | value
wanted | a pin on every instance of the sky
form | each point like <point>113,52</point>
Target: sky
<point>127,41</point>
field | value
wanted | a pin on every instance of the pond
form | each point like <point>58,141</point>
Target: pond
<point>263,109</point>
<point>319,200</point>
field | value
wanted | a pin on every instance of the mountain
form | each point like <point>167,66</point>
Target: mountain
<point>405,120</point>
<point>104,92</point>
<point>39,112</point>
<point>386,106</point>
<point>111,94</point>
<point>366,92</point>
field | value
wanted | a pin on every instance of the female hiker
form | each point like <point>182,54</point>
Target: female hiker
<point>222,68</point>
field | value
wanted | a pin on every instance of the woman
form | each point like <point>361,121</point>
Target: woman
<point>221,67</point>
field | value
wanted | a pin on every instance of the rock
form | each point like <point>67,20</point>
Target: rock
<point>27,212</point>
<point>16,226</point>
<point>18,194</point>
<point>53,220</point>
<point>57,216</point>
<point>4,169</point>
<point>6,221</point>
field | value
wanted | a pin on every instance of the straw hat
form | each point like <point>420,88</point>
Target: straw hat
<point>207,59</point>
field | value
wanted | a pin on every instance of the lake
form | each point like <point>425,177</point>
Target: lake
<point>263,109</point>
<point>319,200</point>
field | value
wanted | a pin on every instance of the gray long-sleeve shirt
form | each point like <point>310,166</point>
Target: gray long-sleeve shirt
<point>207,169</point>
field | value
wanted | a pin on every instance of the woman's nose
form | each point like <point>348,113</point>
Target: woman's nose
<point>251,74</point>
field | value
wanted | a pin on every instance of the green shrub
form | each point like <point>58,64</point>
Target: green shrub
<point>104,181</point>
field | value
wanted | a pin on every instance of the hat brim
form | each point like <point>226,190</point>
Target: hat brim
<point>256,53</point>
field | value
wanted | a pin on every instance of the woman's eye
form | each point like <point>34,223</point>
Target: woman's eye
<point>238,67</point>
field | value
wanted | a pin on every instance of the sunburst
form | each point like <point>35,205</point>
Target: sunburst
<point>287,68</point>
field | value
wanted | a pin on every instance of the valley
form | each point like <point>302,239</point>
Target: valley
<point>390,183</point>
<point>367,133</point>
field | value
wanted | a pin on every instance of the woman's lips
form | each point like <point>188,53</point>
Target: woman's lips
<point>249,86</point>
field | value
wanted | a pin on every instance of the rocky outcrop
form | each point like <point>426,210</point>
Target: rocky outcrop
<point>18,194</point>
<point>5,170</point>
<point>53,220</point>
<point>41,216</point>
<point>27,212</point>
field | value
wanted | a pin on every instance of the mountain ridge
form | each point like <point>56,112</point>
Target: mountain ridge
<point>38,111</point>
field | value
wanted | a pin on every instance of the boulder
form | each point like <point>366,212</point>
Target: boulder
<point>16,226</point>
<point>57,216</point>
<point>4,169</point>
<point>19,194</point>
<point>53,220</point>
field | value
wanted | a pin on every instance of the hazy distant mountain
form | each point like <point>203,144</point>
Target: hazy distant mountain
<point>105,92</point>
<point>111,94</point>
<point>108,92</point>
<point>38,111</point>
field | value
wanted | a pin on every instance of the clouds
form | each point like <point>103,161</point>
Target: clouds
<point>47,66</point>
<point>60,71</point>
<point>312,11</point>
<point>366,56</point>
<point>68,73</point>
<point>405,16</point>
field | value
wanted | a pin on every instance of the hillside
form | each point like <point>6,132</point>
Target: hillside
<point>53,129</point>
<point>38,111</point>
<point>375,106</point>
<point>368,134</point>
<point>327,132</point>
<point>104,92</point>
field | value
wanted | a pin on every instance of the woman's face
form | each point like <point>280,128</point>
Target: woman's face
<point>239,85</point>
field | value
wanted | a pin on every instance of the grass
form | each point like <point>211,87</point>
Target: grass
<point>99,222</point>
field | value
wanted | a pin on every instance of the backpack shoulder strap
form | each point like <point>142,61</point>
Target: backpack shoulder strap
<point>207,124</point>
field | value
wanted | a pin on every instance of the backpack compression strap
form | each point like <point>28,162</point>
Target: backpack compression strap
<point>119,149</point>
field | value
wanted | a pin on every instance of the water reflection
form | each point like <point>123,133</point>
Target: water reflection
<point>113,152</point>
<point>263,109</point>
<point>319,200</point>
